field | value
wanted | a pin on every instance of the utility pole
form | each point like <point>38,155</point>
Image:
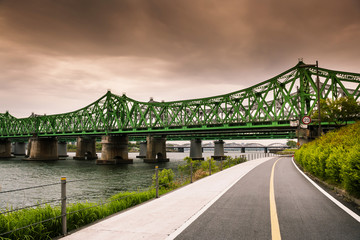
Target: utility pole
<point>317,90</point>
<point>318,97</point>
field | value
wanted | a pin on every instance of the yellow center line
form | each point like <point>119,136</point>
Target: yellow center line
<point>275,229</point>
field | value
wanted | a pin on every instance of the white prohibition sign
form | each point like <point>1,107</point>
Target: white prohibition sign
<point>306,120</point>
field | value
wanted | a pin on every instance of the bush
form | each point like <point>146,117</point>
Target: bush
<point>200,174</point>
<point>351,172</point>
<point>166,179</point>
<point>335,158</point>
<point>201,168</point>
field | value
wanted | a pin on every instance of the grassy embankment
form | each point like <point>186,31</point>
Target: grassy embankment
<point>334,158</point>
<point>81,214</point>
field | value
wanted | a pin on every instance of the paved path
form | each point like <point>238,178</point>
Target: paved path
<point>303,211</point>
<point>159,218</point>
<point>234,204</point>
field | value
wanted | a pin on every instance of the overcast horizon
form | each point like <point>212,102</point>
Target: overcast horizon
<point>60,56</point>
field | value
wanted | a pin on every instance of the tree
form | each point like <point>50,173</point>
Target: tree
<point>291,144</point>
<point>338,111</point>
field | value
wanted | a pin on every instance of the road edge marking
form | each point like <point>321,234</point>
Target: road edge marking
<point>275,228</point>
<point>339,204</point>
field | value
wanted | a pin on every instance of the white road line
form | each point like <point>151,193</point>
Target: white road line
<point>342,206</point>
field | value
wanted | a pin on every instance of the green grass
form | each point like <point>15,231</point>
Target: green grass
<point>79,214</point>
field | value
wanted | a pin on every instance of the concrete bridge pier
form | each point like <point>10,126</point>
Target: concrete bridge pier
<point>86,148</point>
<point>196,149</point>
<point>219,150</point>
<point>114,150</point>
<point>303,136</point>
<point>19,149</point>
<point>5,148</point>
<point>142,150</point>
<point>43,149</point>
<point>156,149</point>
<point>62,149</point>
<point>180,149</point>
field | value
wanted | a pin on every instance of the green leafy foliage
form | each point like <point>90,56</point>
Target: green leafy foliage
<point>335,158</point>
<point>339,111</point>
<point>291,144</point>
<point>166,179</point>
<point>201,168</point>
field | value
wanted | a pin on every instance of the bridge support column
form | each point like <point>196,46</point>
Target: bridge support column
<point>142,150</point>
<point>19,149</point>
<point>43,149</point>
<point>303,141</point>
<point>28,148</point>
<point>86,148</point>
<point>181,149</point>
<point>219,150</point>
<point>265,150</point>
<point>62,149</point>
<point>5,148</point>
<point>156,149</point>
<point>196,149</point>
<point>114,150</point>
<point>12,148</point>
<point>303,136</point>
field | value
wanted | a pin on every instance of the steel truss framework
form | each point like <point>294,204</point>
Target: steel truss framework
<point>261,111</point>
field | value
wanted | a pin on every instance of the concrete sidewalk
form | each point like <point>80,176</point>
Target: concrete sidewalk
<point>165,217</point>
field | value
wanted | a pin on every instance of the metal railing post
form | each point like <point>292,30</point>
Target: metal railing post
<point>157,181</point>
<point>63,205</point>
<point>191,172</point>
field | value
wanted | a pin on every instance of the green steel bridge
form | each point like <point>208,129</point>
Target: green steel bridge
<point>264,111</point>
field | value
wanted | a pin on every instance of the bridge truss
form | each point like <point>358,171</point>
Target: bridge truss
<point>264,110</point>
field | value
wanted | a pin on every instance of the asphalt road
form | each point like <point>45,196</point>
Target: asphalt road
<point>303,212</point>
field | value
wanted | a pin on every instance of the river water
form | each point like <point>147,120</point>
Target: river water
<point>86,181</point>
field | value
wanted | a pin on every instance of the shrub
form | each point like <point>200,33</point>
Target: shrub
<point>201,168</point>
<point>200,174</point>
<point>166,179</point>
<point>351,172</point>
<point>335,158</point>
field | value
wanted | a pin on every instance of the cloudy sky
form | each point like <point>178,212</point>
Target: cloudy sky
<point>60,55</point>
